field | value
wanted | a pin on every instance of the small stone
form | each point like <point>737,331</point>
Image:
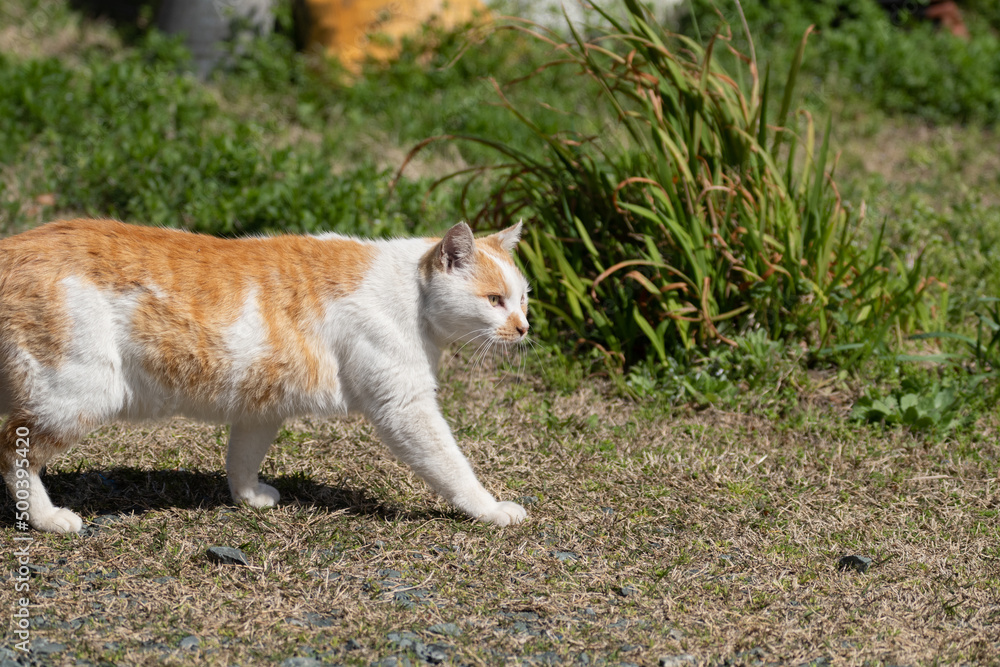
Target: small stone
<point>858,563</point>
<point>189,643</point>
<point>627,590</point>
<point>393,661</point>
<point>45,647</point>
<point>106,519</point>
<point>389,574</point>
<point>301,662</point>
<point>676,634</point>
<point>352,645</point>
<point>164,580</point>
<point>448,629</point>
<point>35,570</point>
<point>404,599</point>
<point>227,556</point>
<point>318,620</point>
<point>680,660</point>
<point>403,640</point>
<point>565,556</point>
<point>433,653</point>
<point>528,500</point>
<point>150,645</point>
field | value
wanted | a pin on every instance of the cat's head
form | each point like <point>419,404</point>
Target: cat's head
<point>473,290</point>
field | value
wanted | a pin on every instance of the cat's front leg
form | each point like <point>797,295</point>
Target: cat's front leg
<point>418,435</point>
<point>248,443</point>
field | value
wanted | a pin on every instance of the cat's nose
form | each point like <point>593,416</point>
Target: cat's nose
<point>522,329</point>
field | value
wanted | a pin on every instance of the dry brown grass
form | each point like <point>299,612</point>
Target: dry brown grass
<point>724,530</point>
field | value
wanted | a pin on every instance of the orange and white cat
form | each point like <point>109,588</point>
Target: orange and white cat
<point>103,321</point>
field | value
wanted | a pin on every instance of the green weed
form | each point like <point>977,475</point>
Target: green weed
<point>678,223</point>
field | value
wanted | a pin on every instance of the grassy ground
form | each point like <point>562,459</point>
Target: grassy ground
<point>654,532</point>
<point>713,534</point>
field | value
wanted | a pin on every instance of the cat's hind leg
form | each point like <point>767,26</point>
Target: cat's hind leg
<point>248,444</point>
<point>24,449</point>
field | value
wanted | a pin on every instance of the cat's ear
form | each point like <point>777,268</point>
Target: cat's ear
<point>510,236</point>
<point>458,248</point>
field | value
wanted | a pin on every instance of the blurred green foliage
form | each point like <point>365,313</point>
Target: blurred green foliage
<point>899,64</point>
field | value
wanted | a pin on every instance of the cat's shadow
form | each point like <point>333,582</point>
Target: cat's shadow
<point>124,490</point>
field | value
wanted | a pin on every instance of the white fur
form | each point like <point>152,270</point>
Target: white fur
<point>378,349</point>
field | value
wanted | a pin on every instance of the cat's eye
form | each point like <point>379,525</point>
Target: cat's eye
<point>495,300</point>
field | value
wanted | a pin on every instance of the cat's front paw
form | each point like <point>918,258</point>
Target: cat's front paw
<point>264,495</point>
<point>504,514</point>
<point>59,520</point>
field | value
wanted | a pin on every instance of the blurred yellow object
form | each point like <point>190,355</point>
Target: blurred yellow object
<point>353,30</point>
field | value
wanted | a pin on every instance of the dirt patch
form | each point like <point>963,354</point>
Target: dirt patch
<point>905,152</point>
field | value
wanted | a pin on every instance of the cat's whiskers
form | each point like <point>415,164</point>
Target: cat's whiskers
<point>475,337</point>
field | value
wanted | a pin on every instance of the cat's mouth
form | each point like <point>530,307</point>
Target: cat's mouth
<point>510,340</point>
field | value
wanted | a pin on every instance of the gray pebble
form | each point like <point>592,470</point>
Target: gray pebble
<point>565,556</point>
<point>858,563</point>
<point>227,556</point>
<point>448,629</point>
<point>189,643</point>
<point>680,660</point>
<point>627,590</point>
<point>106,519</point>
<point>393,661</point>
<point>433,653</point>
<point>528,500</point>
<point>45,647</point>
<point>403,640</point>
<point>35,570</point>
<point>301,662</point>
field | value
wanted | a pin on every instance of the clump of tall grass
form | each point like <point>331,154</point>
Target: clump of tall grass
<point>696,212</point>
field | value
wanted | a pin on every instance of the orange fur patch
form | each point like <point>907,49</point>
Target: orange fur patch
<point>508,329</point>
<point>189,289</point>
<point>491,244</point>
